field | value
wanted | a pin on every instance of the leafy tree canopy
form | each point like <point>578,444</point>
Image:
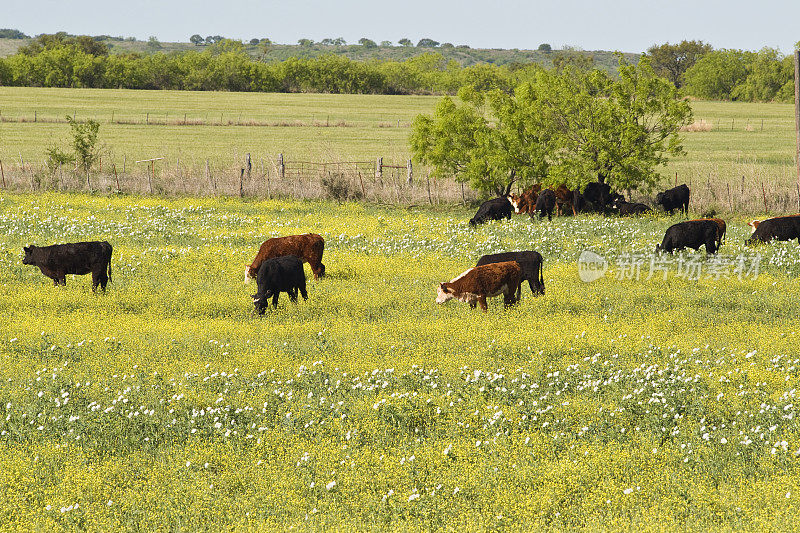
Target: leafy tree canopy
<point>571,127</point>
<point>427,43</point>
<point>367,43</point>
<point>671,61</point>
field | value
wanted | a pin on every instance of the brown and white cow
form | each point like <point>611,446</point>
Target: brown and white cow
<point>308,248</point>
<point>526,202</point>
<point>481,282</point>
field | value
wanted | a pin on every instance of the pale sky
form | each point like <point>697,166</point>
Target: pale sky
<point>625,25</point>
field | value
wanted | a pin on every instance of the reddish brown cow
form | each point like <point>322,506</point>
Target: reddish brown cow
<point>526,202</point>
<point>480,282</point>
<point>308,248</point>
<point>564,198</point>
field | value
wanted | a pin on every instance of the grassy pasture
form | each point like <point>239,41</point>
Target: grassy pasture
<point>165,404</point>
<point>358,127</point>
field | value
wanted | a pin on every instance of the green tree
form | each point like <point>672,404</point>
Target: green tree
<point>572,127</point>
<point>427,43</point>
<point>571,58</point>
<point>153,44</point>
<point>254,42</point>
<point>672,60</point>
<point>367,43</point>
<point>770,76</point>
<point>196,39</point>
<point>305,42</point>
<point>714,76</point>
<point>544,47</point>
<point>405,42</point>
<point>386,44</point>
<point>84,142</point>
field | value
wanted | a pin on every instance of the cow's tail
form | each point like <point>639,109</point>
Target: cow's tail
<point>109,250</point>
<point>541,276</point>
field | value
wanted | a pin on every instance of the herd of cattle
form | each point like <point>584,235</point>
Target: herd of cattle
<point>278,265</point>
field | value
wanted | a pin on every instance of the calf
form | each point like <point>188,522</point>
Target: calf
<point>526,201</point>
<point>58,260</point>
<point>530,263</point>
<point>480,282</point>
<point>690,234</point>
<point>631,208</point>
<point>494,209</point>
<point>276,275</point>
<point>778,229</point>
<point>308,248</point>
<point>675,198</point>
<point>564,198</point>
<point>545,204</point>
<point>721,227</point>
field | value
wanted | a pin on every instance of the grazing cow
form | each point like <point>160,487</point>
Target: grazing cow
<point>276,275</point>
<point>480,282</point>
<point>529,261</point>
<point>58,260</point>
<point>494,209</point>
<point>526,202</point>
<point>545,204</point>
<point>690,234</point>
<point>564,197</point>
<point>307,247</point>
<point>777,229</point>
<point>675,198</point>
<point>721,227</point>
<point>631,208</point>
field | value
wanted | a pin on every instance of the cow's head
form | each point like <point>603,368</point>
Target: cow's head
<point>260,302</point>
<point>618,202</point>
<point>754,225</point>
<point>28,259</point>
<point>513,199</point>
<point>444,293</point>
<point>660,198</point>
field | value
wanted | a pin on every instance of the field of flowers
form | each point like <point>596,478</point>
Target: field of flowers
<point>166,404</point>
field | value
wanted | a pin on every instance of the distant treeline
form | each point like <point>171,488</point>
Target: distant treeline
<point>62,60</point>
<point>226,66</point>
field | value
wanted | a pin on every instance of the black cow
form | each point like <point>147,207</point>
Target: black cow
<point>494,209</point>
<point>690,234</point>
<point>280,274</point>
<point>58,260</point>
<point>529,261</point>
<point>675,198</point>
<point>600,196</point>
<point>778,229</point>
<point>631,208</point>
<point>545,204</point>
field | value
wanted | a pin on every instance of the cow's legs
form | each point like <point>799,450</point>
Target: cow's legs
<point>275,300</point>
<point>482,302</point>
<point>472,304</point>
<point>303,292</point>
<point>292,294</point>
<point>99,278</point>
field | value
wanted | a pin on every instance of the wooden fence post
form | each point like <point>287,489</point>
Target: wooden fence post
<point>2,173</point>
<point>249,164</point>
<point>463,198</point>
<point>241,183</point>
<point>410,172</point>
<point>379,168</point>
<point>114,168</point>
<point>281,167</point>
<point>428,178</point>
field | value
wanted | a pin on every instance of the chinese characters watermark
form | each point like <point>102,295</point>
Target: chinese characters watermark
<point>635,267</point>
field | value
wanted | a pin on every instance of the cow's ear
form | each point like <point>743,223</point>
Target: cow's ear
<point>26,248</point>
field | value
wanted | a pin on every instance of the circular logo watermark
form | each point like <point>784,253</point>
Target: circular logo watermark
<point>591,266</point>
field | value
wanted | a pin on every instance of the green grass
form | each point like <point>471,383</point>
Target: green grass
<point>725,167</point>
<point>166,404</point>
